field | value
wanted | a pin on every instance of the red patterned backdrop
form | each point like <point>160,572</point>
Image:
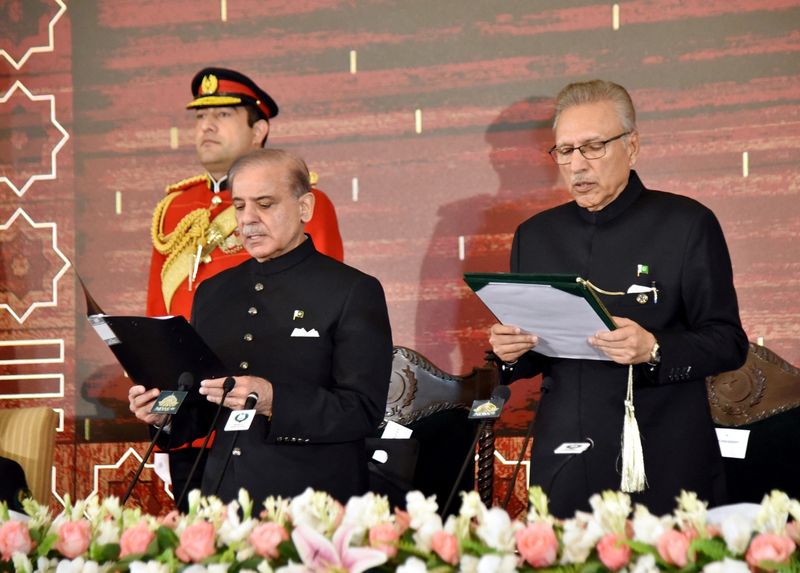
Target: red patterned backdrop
<point>428,124</point>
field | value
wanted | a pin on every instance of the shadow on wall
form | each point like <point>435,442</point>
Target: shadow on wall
<point>452,324</point>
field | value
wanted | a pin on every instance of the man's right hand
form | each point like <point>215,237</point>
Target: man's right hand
<point>510,342</point>
<point>140,402</point>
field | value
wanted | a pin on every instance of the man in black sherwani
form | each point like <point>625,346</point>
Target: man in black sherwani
<point>308,334</point>
<point>677,323</point>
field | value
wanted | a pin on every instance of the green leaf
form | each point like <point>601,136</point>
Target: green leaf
<point>469,546</point>
<point>103,553</point>
<point>713,549</point>
<point>46,545</point>
<point>166,539</point>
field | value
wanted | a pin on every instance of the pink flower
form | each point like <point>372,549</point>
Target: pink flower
<point>402,519</point>
<point>769,547</point>
<point>321,555</point>
<point>197,542</point>
<point>14,538</point>
<point>73,538</point>
<point>613,551</point>
<point>673,547</point>
<point>537,544</point>
<point>170,520</point>
<point>446,546</point>
<point>384,537</point>
<point>266,537</point>
<point>135,539</point>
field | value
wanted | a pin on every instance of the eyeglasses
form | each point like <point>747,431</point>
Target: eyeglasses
<point>592,150</point>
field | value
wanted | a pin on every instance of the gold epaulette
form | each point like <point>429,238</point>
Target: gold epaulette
<point>184,184</point>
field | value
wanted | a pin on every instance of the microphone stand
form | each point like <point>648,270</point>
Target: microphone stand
<point>227,386</point>
<point>470,454</point>
<point>249,404</point>
<point>185,381</point>
<point>522,451</point>
<point>502,393</point>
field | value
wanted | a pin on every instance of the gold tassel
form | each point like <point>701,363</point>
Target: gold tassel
<point>633,475</point>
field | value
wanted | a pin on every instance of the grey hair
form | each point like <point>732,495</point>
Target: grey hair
<point>296,169</point>
<point>594,91</point>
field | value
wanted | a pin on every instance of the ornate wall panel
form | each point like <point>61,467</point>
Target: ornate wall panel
<point>428,123</point>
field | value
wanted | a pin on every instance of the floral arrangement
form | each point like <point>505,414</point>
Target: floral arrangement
<point>313,533</point>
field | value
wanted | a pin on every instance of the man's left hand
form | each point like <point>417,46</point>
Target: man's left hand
<point>629,343</point>
<point>212,390</point>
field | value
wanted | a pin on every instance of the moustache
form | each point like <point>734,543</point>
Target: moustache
<point>252,229</point>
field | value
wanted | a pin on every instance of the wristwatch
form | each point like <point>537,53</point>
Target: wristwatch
<point>655,354</point>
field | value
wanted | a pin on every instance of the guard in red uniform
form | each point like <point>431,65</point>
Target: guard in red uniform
<point>193,225</point>
<point>193,229</point>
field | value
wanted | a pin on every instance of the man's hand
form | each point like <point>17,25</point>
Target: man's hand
<point>628,344</point>
<point>510,342</point>
<point>140,402</point>
<point>212,390</point>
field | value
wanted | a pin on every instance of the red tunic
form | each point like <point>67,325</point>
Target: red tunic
<point>195,193</point>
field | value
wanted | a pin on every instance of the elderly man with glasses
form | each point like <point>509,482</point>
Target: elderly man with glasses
<point>676,313</point>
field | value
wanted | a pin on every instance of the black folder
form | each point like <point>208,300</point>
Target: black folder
<point>154,351</point>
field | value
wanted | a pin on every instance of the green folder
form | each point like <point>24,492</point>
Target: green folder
<point>562,310</point>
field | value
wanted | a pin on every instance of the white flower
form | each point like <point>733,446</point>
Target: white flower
<point>149,567</point>
<point>366,511</point>
<point>728,565</point>
<point>737,531</point>
<point>412,565</point>
<point>774,513</point>
<point>494,563</point>
<point>80,566</point>
<point>45,565</point>
<point>579,537</point>
<point>645,564</point>
<point>497,530</point>
<point>234,531</point>
<point>691,513</point>
<point>276,509</point>
<point>21,563</point>
<point>647,528</point>
<point>423,535</point>
<point>107,532</point>
<point>471,505</point>
<point>611,510</point>
<point>419,508</point>
<point>539,506</point>
<point>315,509</point>
<point>468,564</point>
<point>264,567</point>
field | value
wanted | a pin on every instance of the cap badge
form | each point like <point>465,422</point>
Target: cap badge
<point>209,85</point>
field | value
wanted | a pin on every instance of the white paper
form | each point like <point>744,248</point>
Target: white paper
<point>391,431</point>
<point>395,431</point>
<point>733,442</point>
<point>562,321</point>
<point>161,467</point>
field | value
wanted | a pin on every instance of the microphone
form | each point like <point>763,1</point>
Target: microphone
<point>487,411</point>
<point>168,402</point>
<point>227,386</point>
<point>249,404</point>
<point>572,450</point>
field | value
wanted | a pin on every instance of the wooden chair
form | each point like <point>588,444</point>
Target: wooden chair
<point>435,405</point>
<point>27,436</point>
<point>762,396</point>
